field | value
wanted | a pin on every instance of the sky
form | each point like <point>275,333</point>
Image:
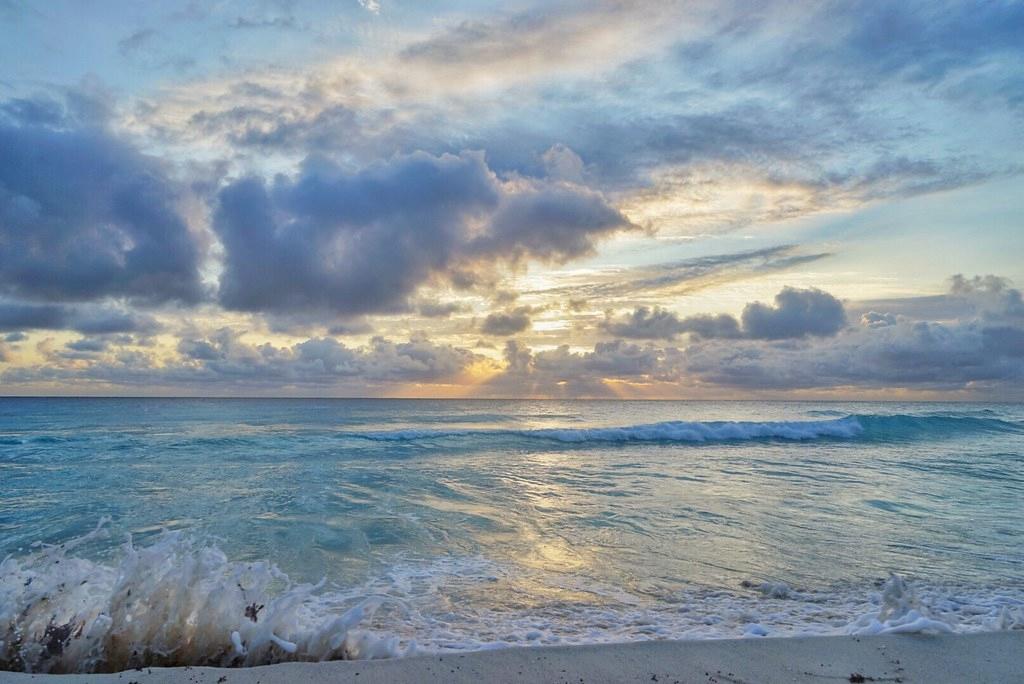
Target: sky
<point>672,200</point>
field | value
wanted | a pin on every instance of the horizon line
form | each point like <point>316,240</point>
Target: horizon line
<point>603,399</point>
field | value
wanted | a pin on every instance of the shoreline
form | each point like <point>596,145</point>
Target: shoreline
<point>996,657</point>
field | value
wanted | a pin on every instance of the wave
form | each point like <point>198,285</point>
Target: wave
<point>173,603</point>
<point>669,431</point>
<point>179,602</point>
<point>904,426</point>
<point>871,426</point>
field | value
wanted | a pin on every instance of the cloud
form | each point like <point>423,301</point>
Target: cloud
<point>225,361</point>
<point>286,23</point>
<point>89,319</point>
<point>796,313</point>
<point>616,359</point>
<point>564,372</point>
<point>924,43</point>
<point>552,223</point>
<point>908,354</point>
<point>981,351</point>
<point>562,163</point>
<point>352,327</point>
<point>721,326</point>
<point>874,319</point>
<point>41,110</point>
<point>554,39</point>
<point>364,242</point>
<point>136,41</point>
<point>438,309</point>
<point>84,216</point>
<point>914,355</point>
<point>683,276</point>
<point>88,344</point>
<point>503,323</point>
<point>101,321</point>
<point>983,354</point>
<point>991,296</point>
<point>18,316</point>
<point>771,116</point>
<point>646,324</point>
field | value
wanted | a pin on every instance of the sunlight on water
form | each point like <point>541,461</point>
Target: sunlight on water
<point>454,525</point>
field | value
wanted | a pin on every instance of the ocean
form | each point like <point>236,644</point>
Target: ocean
<point>245,531</point>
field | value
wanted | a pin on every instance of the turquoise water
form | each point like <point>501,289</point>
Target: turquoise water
<point>477,524</point>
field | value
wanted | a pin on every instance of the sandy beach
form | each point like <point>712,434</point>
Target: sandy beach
<point>976,658</point>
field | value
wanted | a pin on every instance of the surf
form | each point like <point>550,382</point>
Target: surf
<point>854,426</point>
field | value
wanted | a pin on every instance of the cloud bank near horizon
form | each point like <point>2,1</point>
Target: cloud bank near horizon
<point>618,198</point>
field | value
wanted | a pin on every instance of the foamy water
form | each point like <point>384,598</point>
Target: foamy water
<point>172,532</point>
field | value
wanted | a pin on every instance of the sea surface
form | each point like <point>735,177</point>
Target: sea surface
<point>245,531</point>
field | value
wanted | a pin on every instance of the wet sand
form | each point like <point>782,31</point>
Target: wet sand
<point>976,658</point>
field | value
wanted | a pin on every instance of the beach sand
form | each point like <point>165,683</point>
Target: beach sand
<point>969,659</point>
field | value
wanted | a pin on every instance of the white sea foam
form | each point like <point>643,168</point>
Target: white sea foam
<point>178,602</point>
<point>174,602</point>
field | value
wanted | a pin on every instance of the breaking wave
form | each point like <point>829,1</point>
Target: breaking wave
<point>173,603</point>
<point>177,602</point>
<point>872,427</point>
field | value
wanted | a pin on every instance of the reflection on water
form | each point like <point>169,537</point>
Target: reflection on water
<point>559,524</point>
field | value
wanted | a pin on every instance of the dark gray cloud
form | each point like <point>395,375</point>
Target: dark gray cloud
<point>906,354</point>
<point>503,323</point>
<point>550,222</point>
<point>796,313</point>
<point>711,326</point>
<point>96,320</point>
<point>1003,341</point>
<point>83,216</point>
<point>18,316</point>
<point>351,327</point>
<point>438,309</point>
<point>912,355</point>
<point>355,243</point>
<point>88,344</point>
<point>88,319</point>
<point>646,324</point>
<point>980,351</point>
<point>615,359</point>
